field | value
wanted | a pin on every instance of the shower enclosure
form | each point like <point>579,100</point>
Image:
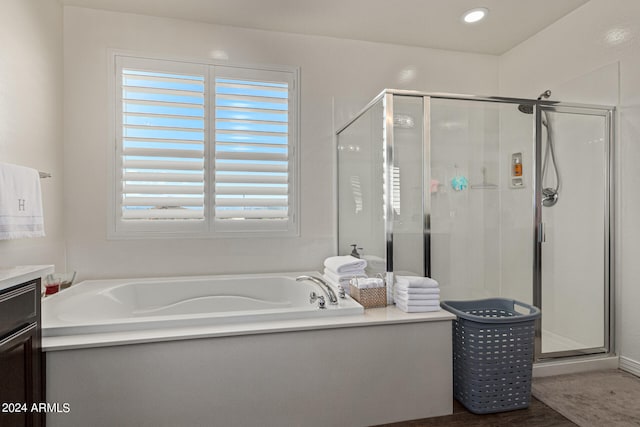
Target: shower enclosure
<point>452,187</point>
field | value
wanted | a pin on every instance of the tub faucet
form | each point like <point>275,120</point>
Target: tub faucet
<point>323,285</point>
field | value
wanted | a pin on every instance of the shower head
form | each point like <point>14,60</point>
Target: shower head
<point>528,109</point>
<point>525,108</point>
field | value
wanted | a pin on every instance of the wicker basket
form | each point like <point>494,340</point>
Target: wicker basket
<point>369,297</point>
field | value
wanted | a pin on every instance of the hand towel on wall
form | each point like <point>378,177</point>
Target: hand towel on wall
<point>20,203</point>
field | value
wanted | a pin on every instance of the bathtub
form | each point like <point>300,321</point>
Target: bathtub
<point>98,306</point>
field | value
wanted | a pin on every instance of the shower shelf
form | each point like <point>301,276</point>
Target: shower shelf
<point>484,185</point>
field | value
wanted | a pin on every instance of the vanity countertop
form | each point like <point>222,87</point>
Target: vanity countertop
<point>15,275</point>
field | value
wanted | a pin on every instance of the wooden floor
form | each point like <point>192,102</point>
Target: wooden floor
<point>536,415</point>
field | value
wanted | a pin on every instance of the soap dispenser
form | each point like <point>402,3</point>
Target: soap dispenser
<point>354,252</point>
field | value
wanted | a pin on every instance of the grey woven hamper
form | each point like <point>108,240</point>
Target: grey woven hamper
<point>493,349</point>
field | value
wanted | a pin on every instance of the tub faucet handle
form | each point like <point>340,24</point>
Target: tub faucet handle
<point>341,292</point>
<point>313,297</point>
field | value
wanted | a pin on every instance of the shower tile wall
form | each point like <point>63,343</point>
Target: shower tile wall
<point>516,213</point>
<point>464,222</point>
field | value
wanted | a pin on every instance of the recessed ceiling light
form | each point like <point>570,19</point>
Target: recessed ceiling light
<point>475,15</point>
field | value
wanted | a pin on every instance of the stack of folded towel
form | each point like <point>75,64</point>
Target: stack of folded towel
<point>415,294</point>
<point>340,269</point>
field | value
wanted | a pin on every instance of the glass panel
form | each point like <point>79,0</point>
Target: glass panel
<point>360,189</point>
<point>573,253</point>
<point>408,165</point>
<point>481,208</point>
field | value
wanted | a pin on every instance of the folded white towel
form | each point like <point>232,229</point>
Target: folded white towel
<point>345,264</point>
<point>419,291</point>
<point>415,282</point>
<point>20,202</point>
<point>417,308</point>
<point>343,277</point>
<point>416,297</point>
<point>409,302</point>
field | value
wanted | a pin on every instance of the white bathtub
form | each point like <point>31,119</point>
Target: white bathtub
<point>96,306</point>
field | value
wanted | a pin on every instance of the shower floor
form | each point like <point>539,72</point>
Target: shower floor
<point>552,342</point>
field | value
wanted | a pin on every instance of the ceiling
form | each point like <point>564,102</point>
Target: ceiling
<point>424,23</point>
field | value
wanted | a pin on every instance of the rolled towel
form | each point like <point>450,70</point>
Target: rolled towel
<point>345,264</point>
<point>406,282</point>
<point>416,297</point>
<point>372,282</point>
<point>408,302</point>
<point>343,277</point>
<point>417,308</point>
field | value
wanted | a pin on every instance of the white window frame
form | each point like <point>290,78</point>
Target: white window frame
<point>210,227</point>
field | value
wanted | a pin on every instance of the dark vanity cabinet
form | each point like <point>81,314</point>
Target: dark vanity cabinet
<point>21,361</point>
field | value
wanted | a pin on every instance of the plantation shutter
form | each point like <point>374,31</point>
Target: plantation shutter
<point>162,143</point>
<point>252,149</point>
<point>203,149</point>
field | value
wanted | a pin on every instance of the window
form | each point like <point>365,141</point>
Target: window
<point>203,149</point>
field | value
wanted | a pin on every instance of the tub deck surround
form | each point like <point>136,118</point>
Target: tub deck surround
<point>264,356</point>
<point>371,317</point>
<point>14,275</point>
<point>378,367</point>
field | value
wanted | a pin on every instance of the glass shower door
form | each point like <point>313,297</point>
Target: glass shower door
<point>481,208</point>
<point>575,231</point>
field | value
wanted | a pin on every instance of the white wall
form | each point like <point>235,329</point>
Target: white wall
<point>31,117</point>
<point>337,72</point>
<point>583,47</point>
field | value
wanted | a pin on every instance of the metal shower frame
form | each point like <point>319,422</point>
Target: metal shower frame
<point>538,105</point>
